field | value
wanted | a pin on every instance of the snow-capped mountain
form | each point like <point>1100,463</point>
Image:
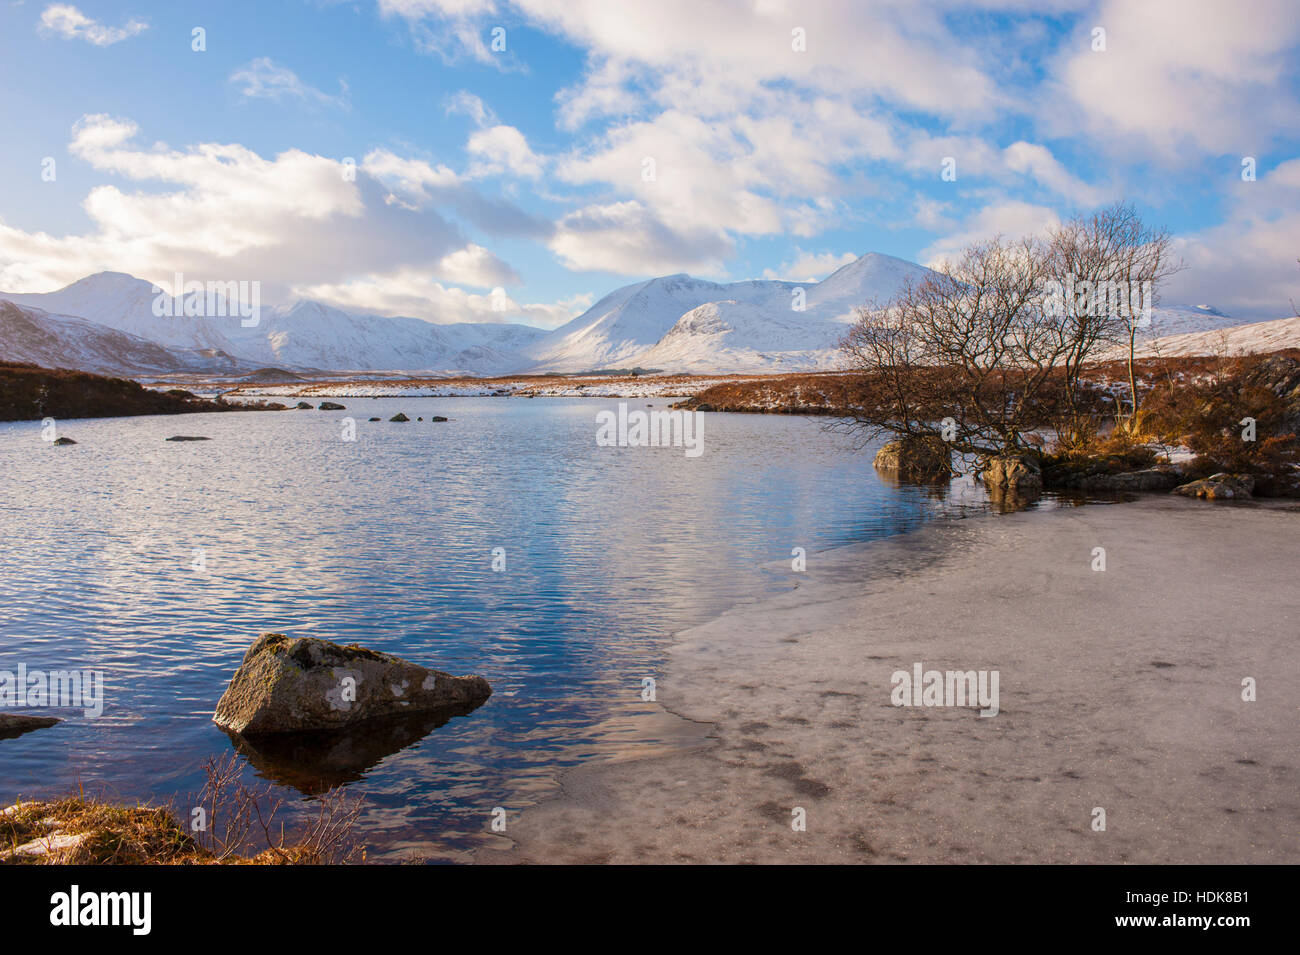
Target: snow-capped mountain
<point>302,334</point>
<point>783,326</point>
<point>61,341</point>
<point>676,323</point>
<point>627,321</point>
<point>306,334</point>
<point>126,303</point>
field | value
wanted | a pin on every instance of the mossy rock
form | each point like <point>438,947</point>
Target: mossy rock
<point>916,459</point>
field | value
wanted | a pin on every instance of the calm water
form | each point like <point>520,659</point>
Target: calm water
<point>388,542</point>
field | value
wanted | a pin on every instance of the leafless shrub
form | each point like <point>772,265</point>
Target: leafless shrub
<point>239,820</point>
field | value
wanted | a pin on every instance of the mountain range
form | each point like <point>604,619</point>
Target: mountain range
<point>107,323</point>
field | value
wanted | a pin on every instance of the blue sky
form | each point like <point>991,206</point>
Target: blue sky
<point>609,142</point>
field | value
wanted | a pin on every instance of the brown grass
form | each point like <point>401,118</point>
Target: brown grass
<point>30,393</point>
<point>239,828</point>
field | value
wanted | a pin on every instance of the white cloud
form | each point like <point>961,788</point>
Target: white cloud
<point>450,28</point>
<point>221,211</point>
<point>1250,257</point>
<point>263,79</point>
<point>418,183</point>
<point>1038,162</point>
<point>1183,74</point>
<point>503,149</point>
<point>414,292</point>
<point>467,104</point>
<point>626,238</point>
<point>897,51</point>
<point>413,179</point>
<point>1009,218</point>
<point>760,175</point>
<point>810,266</point>
<point>475,265</point>
<point>67,21</point>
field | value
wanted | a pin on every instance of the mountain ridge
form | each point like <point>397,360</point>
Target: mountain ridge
<point>674,323</point>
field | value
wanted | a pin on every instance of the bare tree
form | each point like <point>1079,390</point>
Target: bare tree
<point>1108,268</point>
<point>993,346</point>
<point>965,356</point>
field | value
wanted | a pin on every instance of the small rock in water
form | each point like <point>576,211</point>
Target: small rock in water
<point>331,406</point>
<point>15,724</point>
<point>1219,487</point>
<point>290,685</point>
<point>437,417</point>
<point>188,437</point>
<point>374,419</point>
<point>64,441</point>
<point>399,417</point>
<point>302,406</point>
<point>419,419</point>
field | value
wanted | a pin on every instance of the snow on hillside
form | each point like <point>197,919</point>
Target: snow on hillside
<point>675,323</point>
<point>60,341</point>
<point>308,334</point>
<point>1228,340</point>
<point>770,332</point>
<point>303,334</point>
<point>126,303</point>
<point>1182,319</point>
<point>679,323</point>
<point>623,324</point>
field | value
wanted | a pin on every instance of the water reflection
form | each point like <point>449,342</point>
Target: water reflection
<point>388,542</point>
<point>316,762</point>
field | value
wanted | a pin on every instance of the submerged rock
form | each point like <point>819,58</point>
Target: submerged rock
<point>1219,487</point>
<point>64,441</point>
<point>188,437</point>
<point>331,406</point>
<point>917,459</point>
<point>399,417</point>
<point>290,685</point>
<point>1014,472</point>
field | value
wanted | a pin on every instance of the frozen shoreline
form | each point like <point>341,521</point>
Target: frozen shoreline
<point>1119,689</point>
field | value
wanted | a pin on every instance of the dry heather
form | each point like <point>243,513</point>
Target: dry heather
<point>240,827</point>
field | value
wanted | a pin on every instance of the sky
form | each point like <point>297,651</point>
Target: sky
<point>515,160</point>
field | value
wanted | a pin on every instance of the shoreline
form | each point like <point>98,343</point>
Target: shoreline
<point>1120,689</point>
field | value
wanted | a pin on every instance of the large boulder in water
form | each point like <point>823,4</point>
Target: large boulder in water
<point>292,685</point>
<point>1021,473</point>
<point>916,459</point>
